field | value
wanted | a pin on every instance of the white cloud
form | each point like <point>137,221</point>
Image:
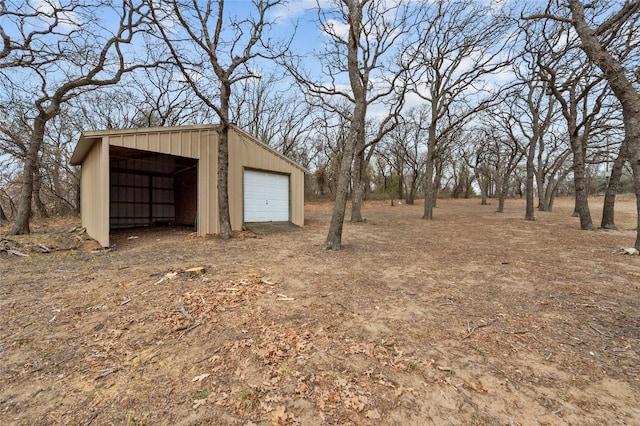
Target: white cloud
<point>340,29</point>
<point>52,8</point>
<point>294,9</point>
<point>165,14</point>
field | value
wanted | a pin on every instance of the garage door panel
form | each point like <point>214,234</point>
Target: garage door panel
<point>266,197</point>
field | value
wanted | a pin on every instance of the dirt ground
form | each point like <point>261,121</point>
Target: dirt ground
<point>475,318</point>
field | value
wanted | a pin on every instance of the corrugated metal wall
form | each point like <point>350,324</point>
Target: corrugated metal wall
<point>197,142</point>
<point>183,143</point>
<point>94,184</point>
<point>245,153</point>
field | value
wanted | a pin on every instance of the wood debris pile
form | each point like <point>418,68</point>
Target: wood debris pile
<point>11,247</point>
<point>25,245</point>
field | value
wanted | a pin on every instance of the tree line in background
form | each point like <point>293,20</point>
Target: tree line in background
<point>403,100</point>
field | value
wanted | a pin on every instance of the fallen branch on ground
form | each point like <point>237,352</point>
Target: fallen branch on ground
<point>471,329</point>
<point>601,332</point>
<point>105,373</point>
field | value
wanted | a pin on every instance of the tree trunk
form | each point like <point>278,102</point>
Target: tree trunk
<point>502,193</point>
<point>359,184</point>
<point>551,191</point>
<point>552,198</point>
<point>223,164</point>
<point>413,189</point>
<point>578,150</point>
<point>410,200</point>
<point>3,216</point>
<point>468,187</point>
<point>437,181</point>
<point>542,206</point>
<point>21,225</point>
<point>62,202</point>
<point>334,236</point>
<point>483,184</point>
<point>429,187</point>
<point>529,215</point>
<point>40,208</point>
<point>429,184</point>
<point>76,193</point>
<point>611,191</point>
<point>501,198</point>
<point>356,133</point>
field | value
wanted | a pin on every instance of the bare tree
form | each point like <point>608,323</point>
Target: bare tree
<point>159,99</point>
<point>329,141</point>
<point>61,61</point>
<point>406,152</point>
<point>620,35</point>
<point>201,41</point>
<point>20,38</point>
<point>462,45</point>
<point>476,149</point>
<point>146,98</point>
<point>353,14</point>
<point>61,181</point>
<point>504,153</point>
<point>553,167</point>
<point>267,108</point>
<point>580,95</point>
<point>598,41</point>
<point>608,206</point>
<point>104,109</point>
<point>526,122</point>
<point>363,66</point>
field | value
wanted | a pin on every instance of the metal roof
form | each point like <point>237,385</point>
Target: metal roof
<point>89,137</point>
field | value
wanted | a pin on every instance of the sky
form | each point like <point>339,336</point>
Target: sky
<point>300,16</point>
<point>294,15</point>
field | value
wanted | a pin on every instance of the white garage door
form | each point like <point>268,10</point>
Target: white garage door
<point>266,197</point>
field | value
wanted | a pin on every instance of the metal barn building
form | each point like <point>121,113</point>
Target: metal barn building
<point>168,175</point>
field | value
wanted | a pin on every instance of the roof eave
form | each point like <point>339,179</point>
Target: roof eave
<point>271,149</point>
<point>82,148</point>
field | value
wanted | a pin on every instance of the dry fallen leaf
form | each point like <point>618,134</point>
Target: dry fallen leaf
<point>200,377</point>
<point>198,402</point>
<point>278,414</point>
<point>373,415</point>
<point>302,388</point>
<point>358,403</point>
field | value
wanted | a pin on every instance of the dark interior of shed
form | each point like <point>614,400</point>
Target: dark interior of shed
<point>151,189</point>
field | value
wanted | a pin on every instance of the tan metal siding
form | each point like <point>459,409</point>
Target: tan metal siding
<point>297,196</point>
<point>154,142</point>
<point>94,192</point>
<point>184,144</point>
<point>199,142</point>
<point>207,185</point>
<point>246,153</point>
